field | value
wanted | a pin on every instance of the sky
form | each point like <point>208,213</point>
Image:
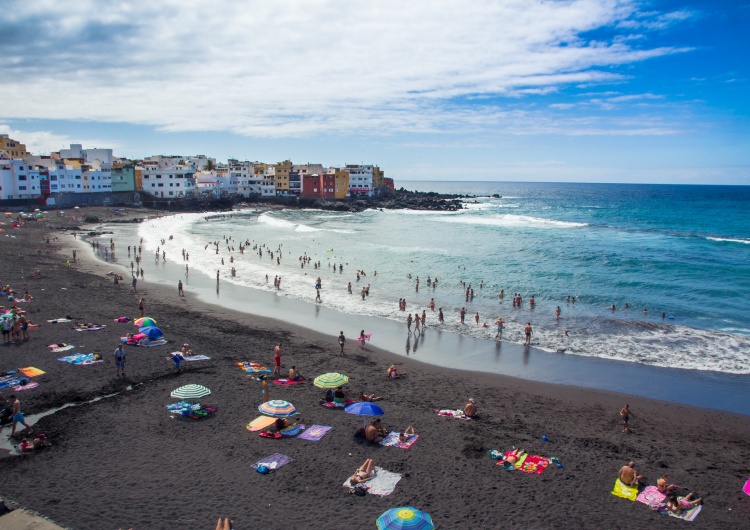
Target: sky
<point>519,90</point>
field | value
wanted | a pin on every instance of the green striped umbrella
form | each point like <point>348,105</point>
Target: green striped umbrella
<point>331,380</point>
<point>190,392</point>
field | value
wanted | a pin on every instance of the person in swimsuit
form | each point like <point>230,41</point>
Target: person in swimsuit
<point>628,475</point>
<point>369,397</point>
<point>676,505</point>
<point>264,388</point>
<point>470,410</point>
<point>339,396</point>
<point>375,431</point>
<point>626,415</point>
<point>18,416</point>
<point>364,473</point>
<point>513,457</point>
<point>120,360</point>
<point>277,351</point>
<point>362,339</point>
<point>408,433</point>
<point>294,374</point>
<point>527,330</point>
<point>663,484</point>
<point>342,341</point>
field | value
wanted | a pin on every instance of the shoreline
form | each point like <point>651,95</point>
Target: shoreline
<point>128,448</point>
<point>443,348</point>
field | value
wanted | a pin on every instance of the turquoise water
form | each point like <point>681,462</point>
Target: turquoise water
<point>681,251</point>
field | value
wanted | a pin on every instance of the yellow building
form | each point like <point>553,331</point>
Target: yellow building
<point>282,177</point>
<point>12,148</point>
<point>342,183</point>
<point>377,176</point>
<point>138,179</point>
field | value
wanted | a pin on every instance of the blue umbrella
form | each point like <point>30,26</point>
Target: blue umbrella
<point>364,408</point>
<point>405,518</point>
<point>152,332</point>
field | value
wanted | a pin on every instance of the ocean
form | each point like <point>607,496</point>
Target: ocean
<point>681,253</point>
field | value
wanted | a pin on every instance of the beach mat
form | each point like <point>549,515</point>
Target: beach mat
<point>12,381</point>
<point>534,464</point>
<point>292,430</point>
<point>286,382</point>
<point>93,328</point>
<point>651,496</point>
<point>382,484</point>
<point>193,358</point>
<point>393,440</point>
<point>28,386</point>
<point>260,423</point>
<point>30,371</point>
<point>687,515</point>
<point>334,405</point>
<point>59,320</point>
<point>274,461</point>
<point>623,491</point>
<point>157,342</point>
<point>314,433</point>
<point>746,488</point>
<point>448,413</point>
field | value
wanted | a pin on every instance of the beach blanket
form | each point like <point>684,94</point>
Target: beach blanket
<point>688,515</point>
<point>393,440</point>
<point>651,496</point>
<point>260,423</point>
<point>253,367</point>
<point>59,320</point>
<point>626,492</point>
<point>334,405</point>
<point>122,319</point>
<point>63,348</point>
<point>382,484</point>
<point>292,430</point>
<point>30,371</point>
<point>21,388</point>
<point>181,406</point>
<point>274,461</point>
<point>92,328</point>
<point>457,414</point>
<point>534,464</point>
<point>314,433</point>
<point>193,358</point>
<point>80,358</point>
<point>12,381</point>
<point>288,382</point>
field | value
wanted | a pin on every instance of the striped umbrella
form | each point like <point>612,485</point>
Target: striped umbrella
<point>277,408</point>
<point>144,322</point>
<point>190,392</point>
<point>331,380</point>
<point>404,518</point>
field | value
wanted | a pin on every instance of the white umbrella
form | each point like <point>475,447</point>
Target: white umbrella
<point>190,392</point>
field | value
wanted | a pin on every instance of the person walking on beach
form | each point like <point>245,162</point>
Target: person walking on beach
<point>362,339</point>
<point>463,314</point>
<point>528,331</point>
<point>179,288</point>
<point>626,415</point>
<point>408,323</point>
<point>440,315</point>
<point>499,324</point>
<point>120,360</point>
<point>277,351</point>
<point>342,341</point>
<point>141,306</point>
<point>135,283</point>
<point>18,416</point>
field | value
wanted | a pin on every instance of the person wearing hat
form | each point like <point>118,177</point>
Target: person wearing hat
<point>186,350</point>
<point>470,410</point>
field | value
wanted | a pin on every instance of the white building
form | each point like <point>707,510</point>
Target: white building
<point>360,179</point>
<point>167,181</point>
<point>19,180</point>
<point>89,156</point>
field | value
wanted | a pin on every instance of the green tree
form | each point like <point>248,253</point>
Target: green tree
<point>210,166</point>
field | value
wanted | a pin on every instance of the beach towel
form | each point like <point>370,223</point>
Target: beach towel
<point>314,433</point>
<point>92,328</point>
<point>651,496</point>
<point>393,440</point>
<point>12,381</point>
<point>21,388</point>
<point>273,435</point>
<point>746,488</point>
<point>367,337</point>
<point>63,348</point>
<point>80,358</point>
<point>288,382</point>
<point>534,464</point>
<point>30,371</point>
<point>688,515</point>
<point>193,358</point>
<point>58,320</point>
<point>253,367</point>
<point>457,414</point>
<point>122,319</point>
<point>626,492</point>
<point>382,484</point>
<point>334,405</point>
<point>260,423</point>
<point>292,430</point>
<point>274,461</point>
<point>157,342</point>
<point>181,406</point>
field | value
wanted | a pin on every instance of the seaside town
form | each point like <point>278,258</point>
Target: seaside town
<point>95,176</point>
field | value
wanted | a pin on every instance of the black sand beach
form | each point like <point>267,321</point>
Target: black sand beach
<point>122,461</point>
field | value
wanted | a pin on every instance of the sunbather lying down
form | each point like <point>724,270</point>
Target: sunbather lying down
<point>408,433</point>
<point>676,505</point>
<point>364,473</point>
<point>513,457</point>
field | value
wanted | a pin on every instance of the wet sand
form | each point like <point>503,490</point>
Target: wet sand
<point>123,462</point>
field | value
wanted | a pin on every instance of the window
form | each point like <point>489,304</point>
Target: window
<point>21,177</point>
<point>23,188</point>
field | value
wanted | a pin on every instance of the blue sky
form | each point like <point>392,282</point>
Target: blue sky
<point>576,90</point>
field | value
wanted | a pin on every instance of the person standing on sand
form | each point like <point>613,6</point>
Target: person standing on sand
<point>408,324</point>
<point>264,388</point>
<point>499,324</point>
<point>528,331</point>
<point>141,306</point>
<point>626,415</point>
<point>120,360</point>
<point>18,416</point>
<point>179,288</point>
<point>135,283</point>
<point>277,351</point>
<point>362,339</point>
<point>342,341</point>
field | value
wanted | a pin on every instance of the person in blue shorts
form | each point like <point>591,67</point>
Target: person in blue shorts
<point>120,360</point>
<point>18,415</point>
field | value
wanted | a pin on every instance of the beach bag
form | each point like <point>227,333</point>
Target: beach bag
<point>360,490</point>
<point>263,470</point>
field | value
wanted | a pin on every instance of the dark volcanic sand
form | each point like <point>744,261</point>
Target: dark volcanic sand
<point>123,462</point>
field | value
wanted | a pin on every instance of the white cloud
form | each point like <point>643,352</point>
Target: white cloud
<point>44,142</point>
<point>300,67</point>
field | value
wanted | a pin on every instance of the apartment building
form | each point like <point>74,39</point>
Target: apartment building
<point>167,181</point>
<point>360,179</point>
<point>10,148</point>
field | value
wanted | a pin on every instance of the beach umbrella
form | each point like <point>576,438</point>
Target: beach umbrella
<point>152,332</point>
<point>77,207</point>
<point>144,322</point>
<point>190,392</point>
<point>278,408</point>
<point>405,517</point>
<point>364,408</point>
<point>330,380</point>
